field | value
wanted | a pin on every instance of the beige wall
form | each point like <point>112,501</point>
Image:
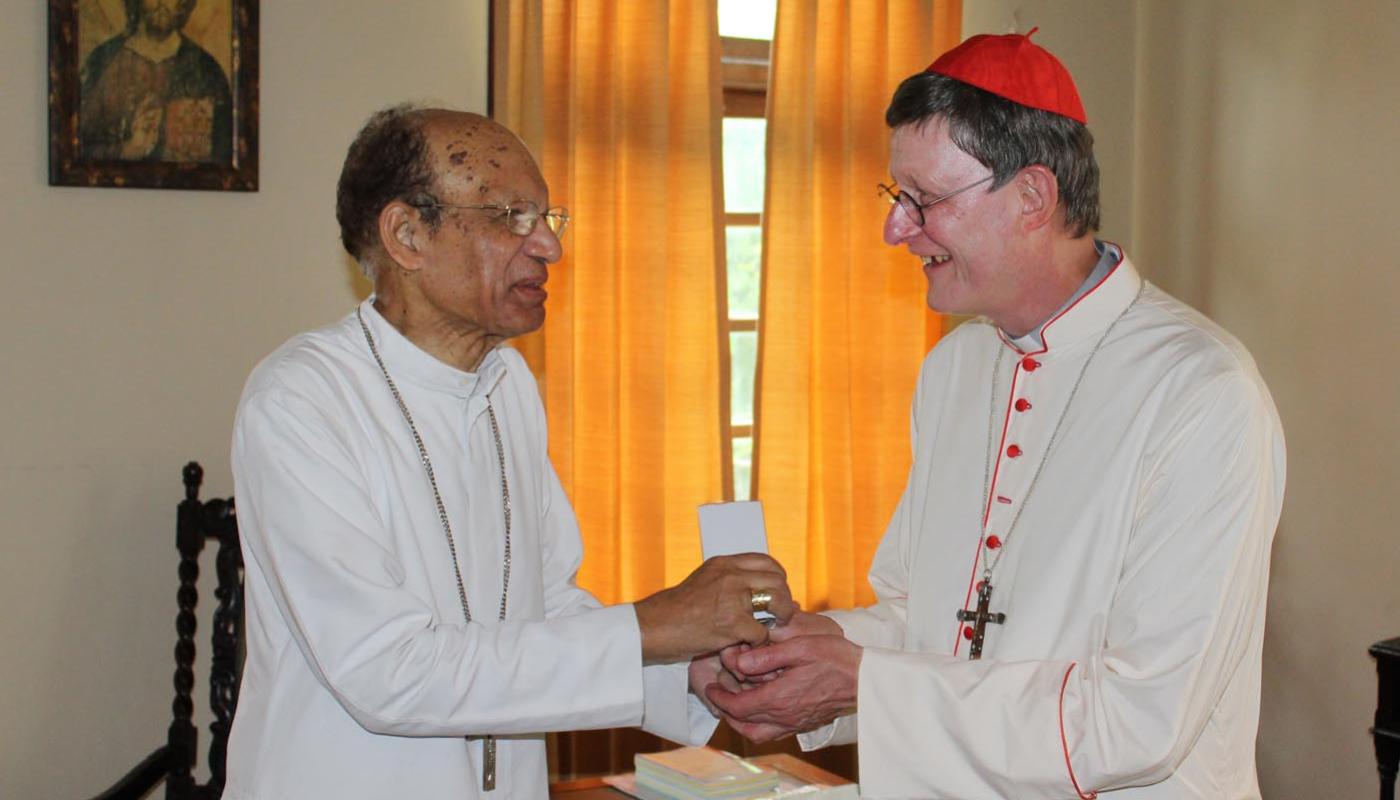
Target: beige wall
<point>132,318</point>
<point>1266,174</point>
<point>1249,151</point>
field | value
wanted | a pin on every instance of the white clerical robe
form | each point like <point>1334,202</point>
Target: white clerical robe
<point>1133,584</point>
<point>362,677</point>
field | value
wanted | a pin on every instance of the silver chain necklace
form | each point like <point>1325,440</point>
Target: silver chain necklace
<point>992,556</point>
<point>488,778</point>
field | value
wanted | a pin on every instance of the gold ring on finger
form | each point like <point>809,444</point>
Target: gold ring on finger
<point>759,599</point>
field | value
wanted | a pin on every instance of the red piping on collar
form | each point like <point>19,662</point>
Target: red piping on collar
<point>1045,329</point>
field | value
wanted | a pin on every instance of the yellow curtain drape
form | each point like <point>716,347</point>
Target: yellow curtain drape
<point>844,325</point>
<point>621,103</point>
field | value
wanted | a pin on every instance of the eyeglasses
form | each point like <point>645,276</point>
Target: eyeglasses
<point>520,216</point>
<point>915,209</point>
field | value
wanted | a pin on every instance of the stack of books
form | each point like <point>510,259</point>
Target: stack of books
<point>701,773</point>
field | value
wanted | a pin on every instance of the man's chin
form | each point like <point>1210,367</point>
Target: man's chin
<point>944,297</point>
<point>161,26</point>
<point>941,302</point>
<point>948,307</point>
<point>526,323</point>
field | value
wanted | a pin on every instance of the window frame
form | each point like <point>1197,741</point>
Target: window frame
<point>744,67</point>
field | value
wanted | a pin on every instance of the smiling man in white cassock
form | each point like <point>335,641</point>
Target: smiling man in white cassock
<point>413,623</point>
<point>1072,589</point>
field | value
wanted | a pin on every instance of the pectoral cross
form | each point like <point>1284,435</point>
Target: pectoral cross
<point>980,618</point>
<point>488,761</point>
<point>488,765</point>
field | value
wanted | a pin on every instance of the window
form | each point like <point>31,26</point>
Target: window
<point>746,33</point>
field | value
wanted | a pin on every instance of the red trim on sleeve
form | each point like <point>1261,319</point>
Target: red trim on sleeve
<point>1064,742</point>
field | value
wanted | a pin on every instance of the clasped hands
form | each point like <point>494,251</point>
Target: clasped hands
<point>767,682</point>
<point>803,678</point>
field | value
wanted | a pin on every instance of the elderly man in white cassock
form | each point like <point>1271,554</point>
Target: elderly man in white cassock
<point>1071,592</point>
<point>413,622</point>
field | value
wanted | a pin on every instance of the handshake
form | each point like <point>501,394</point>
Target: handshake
<point>766,682</point>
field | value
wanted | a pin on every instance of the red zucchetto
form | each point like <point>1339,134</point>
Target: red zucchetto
<point>1014,67</point>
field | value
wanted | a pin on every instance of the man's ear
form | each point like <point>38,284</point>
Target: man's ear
<point>1039,195</point>
<point>401,233</point>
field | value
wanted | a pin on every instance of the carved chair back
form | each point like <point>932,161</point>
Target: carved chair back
<point>199,522</point>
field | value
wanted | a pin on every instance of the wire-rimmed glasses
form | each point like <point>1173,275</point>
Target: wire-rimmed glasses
<point>519,216</point>
<point>913,208</point>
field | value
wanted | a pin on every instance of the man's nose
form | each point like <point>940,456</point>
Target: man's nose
<point>898,226</point>
<point>542,243</point>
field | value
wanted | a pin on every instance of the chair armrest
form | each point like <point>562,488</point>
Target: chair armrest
<point>142,778</point>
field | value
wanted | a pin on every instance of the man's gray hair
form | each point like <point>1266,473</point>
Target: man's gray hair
<point>388,161</point>
<point>1007,137</point>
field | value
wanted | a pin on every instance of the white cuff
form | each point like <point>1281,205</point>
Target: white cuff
<point>841,730</point>
<point>670,710</point>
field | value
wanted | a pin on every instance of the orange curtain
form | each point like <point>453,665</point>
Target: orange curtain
<point>844,325</point>
<point>621,104</point>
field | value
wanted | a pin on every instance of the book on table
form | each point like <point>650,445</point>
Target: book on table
<point>701,773</point>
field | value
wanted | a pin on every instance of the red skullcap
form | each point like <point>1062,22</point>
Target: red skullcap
<point>1014,67</point>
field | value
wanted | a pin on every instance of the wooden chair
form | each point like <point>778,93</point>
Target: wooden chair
<point>173,762</point>
<point>1387,729</point>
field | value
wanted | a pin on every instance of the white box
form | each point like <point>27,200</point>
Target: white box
<point>730,528</point>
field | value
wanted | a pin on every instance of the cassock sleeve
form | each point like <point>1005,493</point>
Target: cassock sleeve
<point>1191,590</point>
<point>881,625</point>
<point>340,587</point>
<point>669,709</point>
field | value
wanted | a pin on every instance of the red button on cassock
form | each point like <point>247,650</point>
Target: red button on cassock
<point>1030,364</point>
<point>993,541</point>
<point>1023,404</point>
<point>967,631</point>
<point>1013,451</point>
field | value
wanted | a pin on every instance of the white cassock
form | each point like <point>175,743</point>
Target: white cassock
<point>362,677</point>
<point>1133,586</point>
